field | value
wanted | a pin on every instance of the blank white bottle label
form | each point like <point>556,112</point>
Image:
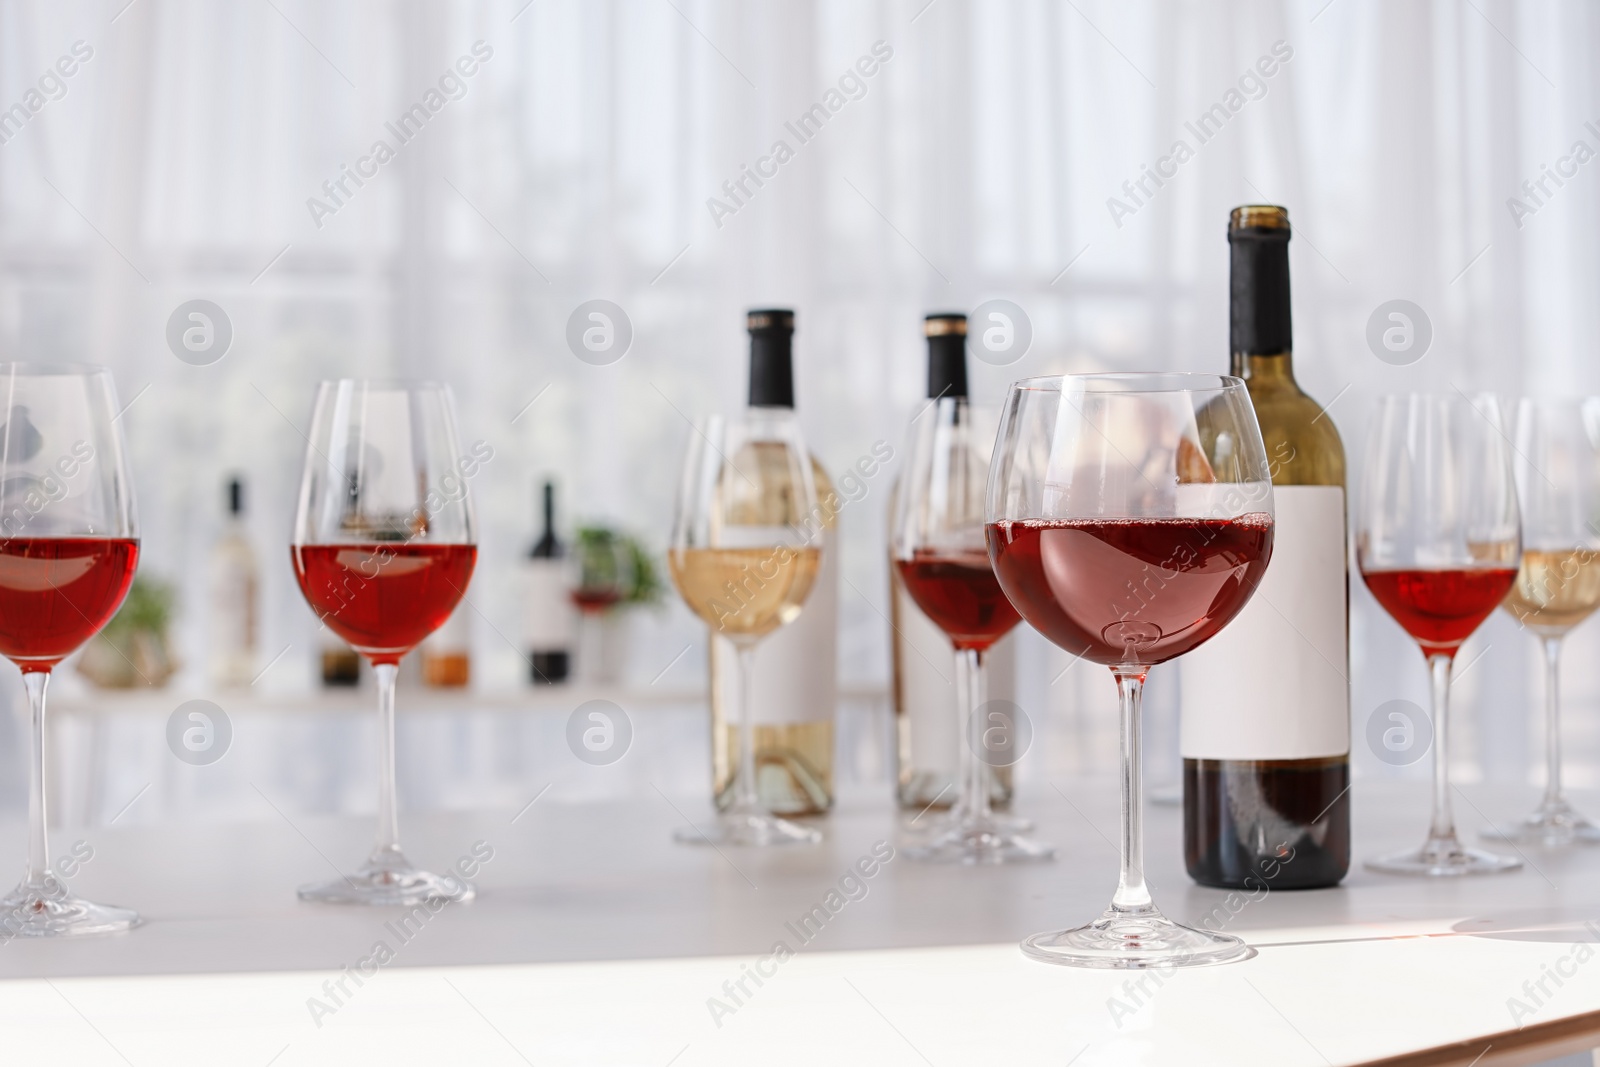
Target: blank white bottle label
<point>548,617</point>
<point>1274,684</point>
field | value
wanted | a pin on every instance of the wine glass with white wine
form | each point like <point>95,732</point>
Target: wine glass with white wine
<point>1558,585</point>
<point>744,556</point>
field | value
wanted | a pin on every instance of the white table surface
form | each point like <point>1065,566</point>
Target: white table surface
<point>596,940</point>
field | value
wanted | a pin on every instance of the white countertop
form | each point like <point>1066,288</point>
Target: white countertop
<point>597,940</point>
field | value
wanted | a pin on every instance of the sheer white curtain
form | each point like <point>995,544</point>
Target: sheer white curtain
<point>978,160</point>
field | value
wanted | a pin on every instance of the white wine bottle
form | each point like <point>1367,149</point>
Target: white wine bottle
<point>923,694</point>
<point>794,689</point>
<point>235,583</point>
<point>1264,724</point>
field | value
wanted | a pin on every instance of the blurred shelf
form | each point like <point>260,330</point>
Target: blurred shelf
<point>412,699</point>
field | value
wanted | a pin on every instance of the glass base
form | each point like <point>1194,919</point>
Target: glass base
<point>391,883</point>
<point>1554,825</point>
<point>1134,939</point>
<point>975,842</point>
<point>749,828</point>
<point>51,911</point>
<point>945,821</point>
<point>1444,857</point>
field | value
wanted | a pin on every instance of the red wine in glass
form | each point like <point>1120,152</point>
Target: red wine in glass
<point>384,598</point>
<point>962,596</point>
<point>596,599</point>
<point>1440,608</point>
<point>1125,591</point>
<point>57,592</point>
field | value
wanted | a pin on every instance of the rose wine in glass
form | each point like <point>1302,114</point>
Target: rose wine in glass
<point>68,550</point>
<point>939,551</point>
<point>1130,517</point>
<point>1438,542</point>
<point>744,556</point>
<point>383,548</point>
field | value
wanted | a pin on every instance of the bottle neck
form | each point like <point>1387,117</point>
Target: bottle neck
<point>1264,368</point>
<point>947,366</point>
<point>771,369</point>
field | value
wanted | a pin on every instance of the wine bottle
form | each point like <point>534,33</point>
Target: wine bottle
<point>794,686</point>
<point>447,652</point>
<point>235,582</point>
<point>547,614</point>
<point>922,694</point>
<point>1265,705</point>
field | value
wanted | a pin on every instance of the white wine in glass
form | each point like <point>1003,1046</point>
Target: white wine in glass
<point>1557,587</point>
<point>744,558</point>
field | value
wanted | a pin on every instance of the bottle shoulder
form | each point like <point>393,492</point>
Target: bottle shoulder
<point>1303,445</point>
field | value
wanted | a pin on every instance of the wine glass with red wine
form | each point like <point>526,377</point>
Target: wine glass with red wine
<point>1130,518</point>
<point>69,543</point>
<point>940,552</point>
<point>383,547</point>
<point>1439,540</point>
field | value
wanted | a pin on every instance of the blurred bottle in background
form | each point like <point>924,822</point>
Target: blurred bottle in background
<point>927,756</point>
<point>794,686</point>
<point>447,653</point>
<point>547,615</point>
<point>234,588</point>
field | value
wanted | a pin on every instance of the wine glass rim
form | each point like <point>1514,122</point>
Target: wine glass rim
<point>1138,381</point>
<point>41,369</point>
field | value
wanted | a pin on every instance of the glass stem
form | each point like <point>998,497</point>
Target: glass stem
<point>386,850</point>
<point>38,874</point>
<point>745,798</point>
<point>1444,820</point>
<point>1132,894</point>
<point>969,698</point>
<point>1552,725</point>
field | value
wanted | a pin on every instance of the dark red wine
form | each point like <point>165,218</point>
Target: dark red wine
<point>962,597</point>
<point>57,592</point>
<point>383,598</point>
<point>1125,591</point>
<point>1441,608</point>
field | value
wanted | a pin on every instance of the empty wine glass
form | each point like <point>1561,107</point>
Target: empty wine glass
<point>1557,467</point>
<point>69,544</point>
<point>1130,518</point>
<point>744,556</point>
<point>1438,541</point>
<point>383,547</point>
<point>943,561</point>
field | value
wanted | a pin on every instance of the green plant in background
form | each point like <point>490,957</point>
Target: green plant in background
<point>133,648</point>
<point>148,609</point>
<point>608,555</point>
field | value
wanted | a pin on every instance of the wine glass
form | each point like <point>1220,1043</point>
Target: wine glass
<point>744,556</point>
<point>942,559</point>
<point>69,544</point>
<point>1438,542</point>
<point>1130,518</point>
<point>383,548</point>
<point>1557,466</point>
<point>602,575</point>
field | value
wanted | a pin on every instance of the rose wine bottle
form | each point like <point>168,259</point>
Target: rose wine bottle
<point>1265,715</point>
<point>794,689</point>
<point>235,580</point>
<point>547,614</point>
<point>924,698</point>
